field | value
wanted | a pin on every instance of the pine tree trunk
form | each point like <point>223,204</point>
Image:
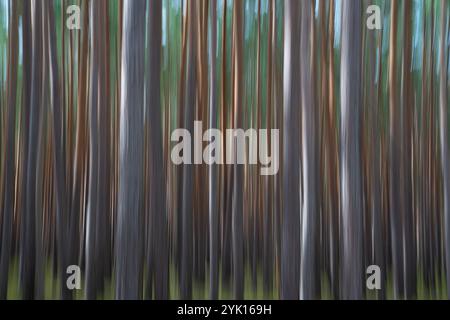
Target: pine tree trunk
<point>310,133</point>
<point>129,237</point>
<point>188,176</point>
<point>213,169</point>
<point>395,194</point>
<point>30,237</point>
<point>237,218</point>
<point>351,183</point>
<point>9,162</point>
<point>290,241</point>
<point>157,246</point>
<point>445,160</point>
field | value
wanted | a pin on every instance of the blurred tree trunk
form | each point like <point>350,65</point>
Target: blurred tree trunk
<point>25,125</point>
<point>79,187</point>
<point>351,183</point>
<point>268,216</point>
<point>374,104</point>
<point>424,176</point>
<point>213,185</point>
<point>310,133</point>
<point>129,236</point>
<point>323,129</point>
<point>237,218</point>
<point>99,207</point>
<point>432,176</point>
<point>226,170</point>
<point>260,182</point>
<point>189,110</point>
<point>59,159</point>
<point>30,237</point>
<point>290,241</point>
<point>180,123</point>
<point>93,196</point>
<point>408,109</point>
<point>445,159</point>
<point>200,171</point>
<point>103,233</point>
<point>395,182</point>
<point>157,245</point>
<point>333,160</point>
<point>9,162</point>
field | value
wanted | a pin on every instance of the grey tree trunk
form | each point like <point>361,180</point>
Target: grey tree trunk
<point>310,211</point>
<point>445,159</point>
<point>290,237</point>
<point>129,237</point>
<point>374,106</point>
<point>407,190</point>
<point>30,236</point>
<point>59,159</point>
<point>92,270</point>
<point>268,252</point>
<point>93,163</point>
<point>157,241</point>
<point>213,205</point>
<point>102,225</point>
<point>25,126</point>
<point>351,183</point>
<point>333,162</point>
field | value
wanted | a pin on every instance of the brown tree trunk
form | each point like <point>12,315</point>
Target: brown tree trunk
<point>187,182</point>
<point>237,218</point>
<point>213,169</point>
<point>157,245</point>
<point>351,178</point>
<point>395,193</point>
<point>9,162</point>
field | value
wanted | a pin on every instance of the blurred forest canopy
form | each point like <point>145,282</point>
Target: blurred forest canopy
<point>85,138</point>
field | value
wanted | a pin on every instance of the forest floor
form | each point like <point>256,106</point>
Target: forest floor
<point>201,291</point>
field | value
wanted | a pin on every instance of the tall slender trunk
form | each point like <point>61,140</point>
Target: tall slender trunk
<point>102,231</point>
<point>268,213</point>
<point>92,208</point>
<point>30,237</point>
<point>237,218</point>
<point>309,115</point>
<point>180,121</point>
<point>79,186</point>
<point>25,126</point>
<point>333,161</point>
<point>129,232</point>
<point>290,241</point>
<point>351,183</point>
<point>9,162</point>
<point>157,241</point>
<point>97,231</point>
<point>189,110</point>
<point>226,171</point>
<point>58,153</point>
<point>408,109</point>
<point>396,209</point>
<point>213,205</point>
<point>375,162</point>
<point>445,159</point>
